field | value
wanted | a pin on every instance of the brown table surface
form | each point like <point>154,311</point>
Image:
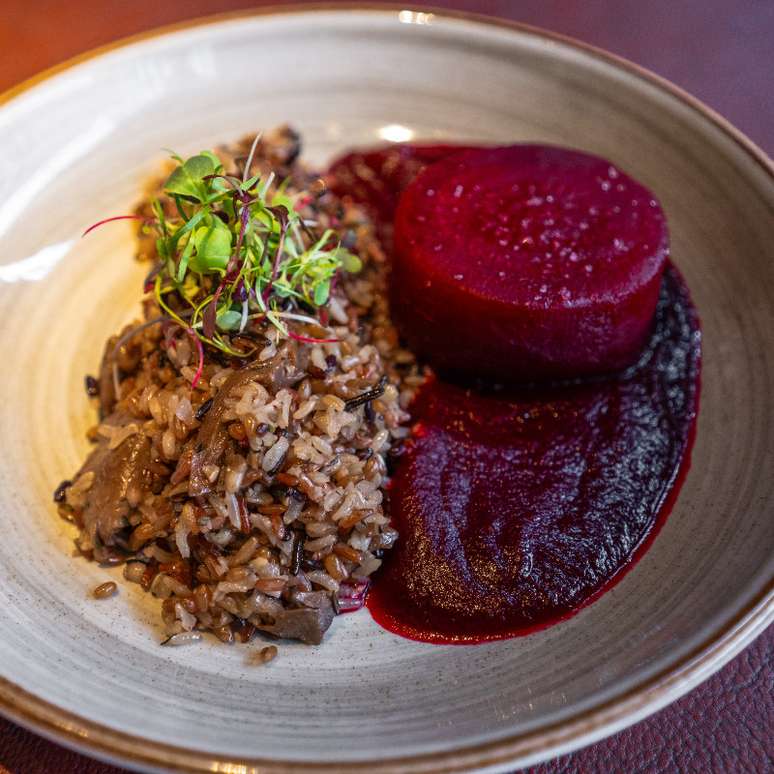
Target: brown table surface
<point>719,50</point>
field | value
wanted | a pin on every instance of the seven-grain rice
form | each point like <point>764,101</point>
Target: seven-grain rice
<point>257,499</point>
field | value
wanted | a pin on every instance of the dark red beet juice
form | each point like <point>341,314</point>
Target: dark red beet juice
<point>518,507</point>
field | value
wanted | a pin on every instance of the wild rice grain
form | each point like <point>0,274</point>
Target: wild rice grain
<point>348,553</point>
<point>237,431</point>
<point>224,633</point>
<point>320,544</point>
<point>333,402</point>
<point>271,586</point>
<point>92,386</point>
<point>61,491</point>
<point>169,444</point>
<point>245,553</point>
<point>184,638</point>
<point>105,590</point>
<point>203,409</point>
<point>334,567</point>
<point>133,571</point>
<point>268,654</point>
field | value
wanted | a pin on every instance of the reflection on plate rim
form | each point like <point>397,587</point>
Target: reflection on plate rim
<point>556,739</point>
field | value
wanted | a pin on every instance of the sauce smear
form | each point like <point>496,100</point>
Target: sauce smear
<point>516,508</point>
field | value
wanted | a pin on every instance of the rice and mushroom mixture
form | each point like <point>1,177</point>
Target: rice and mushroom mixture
<point>256,499</point>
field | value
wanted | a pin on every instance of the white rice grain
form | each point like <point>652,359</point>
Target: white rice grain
<point>273,458</point>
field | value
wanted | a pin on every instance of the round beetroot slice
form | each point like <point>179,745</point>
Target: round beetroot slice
<point>527,262</point>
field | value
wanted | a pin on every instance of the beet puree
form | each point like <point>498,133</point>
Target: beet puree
<point>526,262</point>
<point>517,508</point>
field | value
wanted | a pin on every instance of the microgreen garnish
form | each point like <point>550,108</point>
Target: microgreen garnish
<point>234,251</point>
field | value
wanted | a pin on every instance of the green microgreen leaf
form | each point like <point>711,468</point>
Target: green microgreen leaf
<point>186,180</point>
<point>216,163</point>
<point>158,211</point>
<point>174,156</point>
<point>283,200</point>
<point>213,247</point>
<point>180,208</point>
<point>228,320</point>
<point>188,226</point>
<point>184,259</point>
<point>250,183</point>
<point>321,292</point>
<point>349,261</point>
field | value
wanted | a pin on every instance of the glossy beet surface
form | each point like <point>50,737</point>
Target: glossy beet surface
<point>516,509</point>
<point>527,262</point>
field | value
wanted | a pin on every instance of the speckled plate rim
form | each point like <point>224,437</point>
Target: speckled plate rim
<point>586,727</point>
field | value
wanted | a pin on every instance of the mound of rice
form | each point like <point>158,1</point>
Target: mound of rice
<point>257,499</point>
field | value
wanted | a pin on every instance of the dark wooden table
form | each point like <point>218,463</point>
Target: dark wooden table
<point>719,50</point>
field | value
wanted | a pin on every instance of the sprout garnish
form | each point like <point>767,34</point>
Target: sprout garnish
<point>238,250</point>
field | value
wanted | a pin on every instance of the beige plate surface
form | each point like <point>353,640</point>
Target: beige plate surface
<point>77,146</point>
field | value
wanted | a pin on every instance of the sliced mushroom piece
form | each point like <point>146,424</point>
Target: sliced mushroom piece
<point>306,624</point>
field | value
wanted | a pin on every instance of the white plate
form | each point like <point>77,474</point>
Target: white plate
<point>77,146</point>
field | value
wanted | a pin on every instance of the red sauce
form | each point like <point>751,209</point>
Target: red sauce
<point>517,508</point>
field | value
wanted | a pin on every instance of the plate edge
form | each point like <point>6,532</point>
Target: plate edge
<point>588,726</point>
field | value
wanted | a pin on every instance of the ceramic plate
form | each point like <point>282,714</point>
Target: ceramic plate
<point>78,144</point>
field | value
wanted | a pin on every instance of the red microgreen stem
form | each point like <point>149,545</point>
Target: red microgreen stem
<point>110,220</point>
<point>302,202</point>
<point>200,349</point>
<point>310,340</point>
<point>170,343</point>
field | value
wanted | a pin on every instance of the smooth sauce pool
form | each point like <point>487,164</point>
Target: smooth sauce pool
<point>515,509</point>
